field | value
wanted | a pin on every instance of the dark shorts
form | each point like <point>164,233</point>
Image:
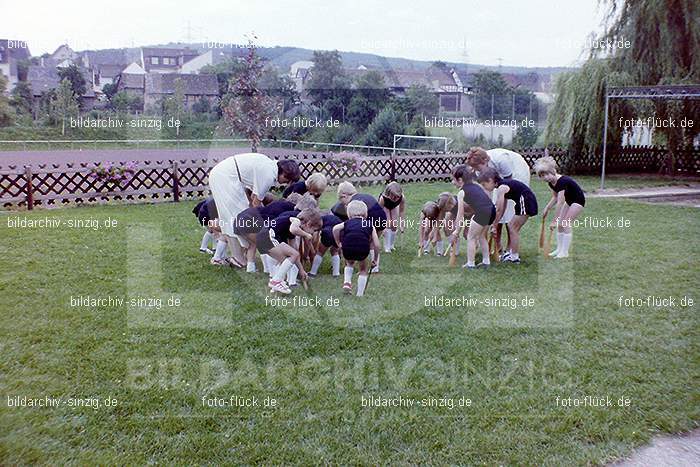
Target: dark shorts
<point>249,221</point>
<point>355,252</point>
<point>526,205</point>
<point>575,199</point>
<point>485,218</point>
<point>327,238</point>
<point>263,242</point>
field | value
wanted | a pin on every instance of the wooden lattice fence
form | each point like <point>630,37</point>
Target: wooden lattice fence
<point>54,185</point>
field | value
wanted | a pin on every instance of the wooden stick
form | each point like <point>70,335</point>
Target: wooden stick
<point>493,251</point>
<point>548,244</point>
<point>453,254</point>
<point>544,221</point>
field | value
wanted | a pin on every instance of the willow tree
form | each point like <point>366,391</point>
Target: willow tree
<point>664,48</point>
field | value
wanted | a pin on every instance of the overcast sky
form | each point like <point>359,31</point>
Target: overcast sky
<point>518,32</point>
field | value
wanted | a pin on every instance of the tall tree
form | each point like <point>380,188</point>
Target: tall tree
<point>248,108</point>
<point>75,77</point>
<point>64,104</point>
<point>370,96</point>
<point>329,86</point>
<point>5,109</point>
<point>22,98</point>
<point>493,95</point>
<point>661,45</point>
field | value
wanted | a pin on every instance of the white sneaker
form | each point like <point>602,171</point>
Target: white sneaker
<point>280,286</point>
<point>375,269</point>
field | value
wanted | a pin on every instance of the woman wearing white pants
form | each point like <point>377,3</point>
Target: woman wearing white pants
<point>508,164</point>
<point>230,181</point>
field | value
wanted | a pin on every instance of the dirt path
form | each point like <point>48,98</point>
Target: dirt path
<point>678,195</point>
<point>683,450</point>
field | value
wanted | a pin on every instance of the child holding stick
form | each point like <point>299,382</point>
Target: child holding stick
<point>473,194</point>
<point>525,207</point>
<point>277,241</point>
<point>394,205</point>
<point>359,236</point>
<point>568,198</point>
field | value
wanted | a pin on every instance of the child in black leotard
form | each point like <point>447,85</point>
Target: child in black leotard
<point>327,243</point>
<point>569,199</point>
<point>359,236</point>
<point>394,205</point>
<point>475,196</point>
<point>316,184</point>
<point>252,220</point>
<point>205,211</point>
<point>375,213</point>
<point>525,206</point>
<point>277,241</point>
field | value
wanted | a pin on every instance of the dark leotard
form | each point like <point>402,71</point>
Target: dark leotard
<point>297,187</point>
<point>389,204</point>
<point>329,221</point>
<point>525,199</point>
<point>572,191</point>
<point>357,235</point>
<point>479,201</point>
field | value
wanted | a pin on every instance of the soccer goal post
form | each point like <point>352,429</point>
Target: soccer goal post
<point>422,143</point>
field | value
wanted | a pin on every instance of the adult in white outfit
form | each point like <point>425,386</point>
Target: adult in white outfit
<point>237,183</point>
<point>508,164</point>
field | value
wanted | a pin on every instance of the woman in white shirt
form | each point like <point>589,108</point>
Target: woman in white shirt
<point>237,183</point>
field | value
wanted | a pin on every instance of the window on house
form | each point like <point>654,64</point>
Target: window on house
<point>154,60</point>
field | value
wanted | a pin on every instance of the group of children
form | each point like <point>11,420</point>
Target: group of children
<point>291,231</point>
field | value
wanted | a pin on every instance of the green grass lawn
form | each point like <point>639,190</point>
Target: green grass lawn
<point>318,362</point>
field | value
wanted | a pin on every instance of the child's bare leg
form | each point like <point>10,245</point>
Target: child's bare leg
<point>484,245</point>
<point>514,227</point>
<point>475,235</point>
<point>250,253</point>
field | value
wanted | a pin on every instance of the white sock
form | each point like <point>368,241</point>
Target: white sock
<point>371,255</point>
<point>387,241</point>
<point>266,263</point>
<point>347,274</point>
<point>486,259</point>
<point>282,270</point>
<point>440,248</point>
<point>335,265</point>
<point>220,252</point>
<point>292,275</point>
<point>361,284</point>
<point>559,242</point>
<point>250,267</point>
<point>565,243</point>
<point>394,234</point>
<point>315,264</point>
<point>205,240</point>
<point>274,265</point>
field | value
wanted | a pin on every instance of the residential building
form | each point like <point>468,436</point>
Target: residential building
<point>11,53</point>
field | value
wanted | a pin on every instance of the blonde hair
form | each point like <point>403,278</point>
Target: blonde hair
<point>394,189</point>
<point>477,156</point>
<point>293,197</point>
<point>311,217</point>
<point>545,165</point>
<point>307,201</point>
<point>347,188</point>
<point>317,181</point>
<point>357,209</point>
